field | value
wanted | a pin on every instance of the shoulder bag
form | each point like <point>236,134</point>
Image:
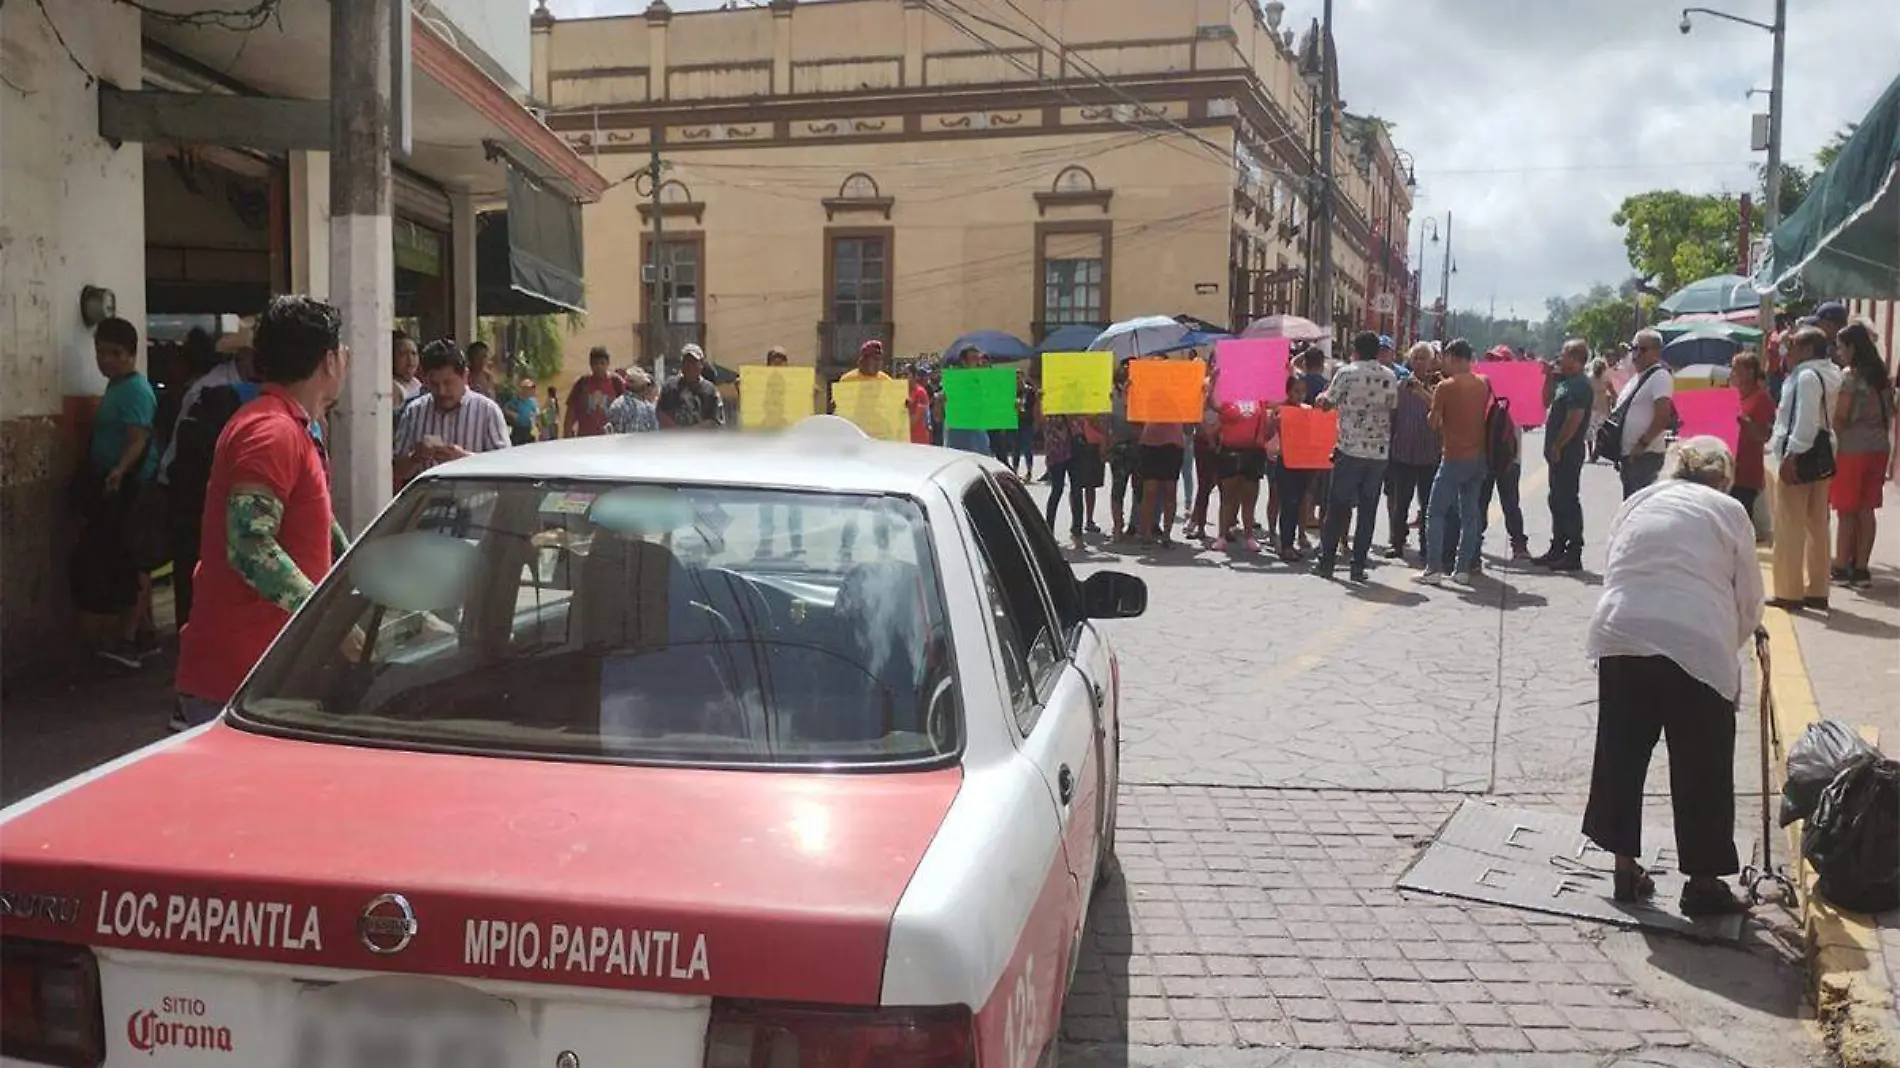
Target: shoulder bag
<point>1817,463</point>
<point>1610,433</point>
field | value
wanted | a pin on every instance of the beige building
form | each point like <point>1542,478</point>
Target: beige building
<point>910,170</point>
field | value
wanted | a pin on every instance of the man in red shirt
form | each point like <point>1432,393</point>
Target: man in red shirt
<point>1755,425</point>
<point>269,532</point>
<point>588,401</point>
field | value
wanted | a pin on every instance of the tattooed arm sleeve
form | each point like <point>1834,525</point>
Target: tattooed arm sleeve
<point>252,518</point>
<point>339,541</point>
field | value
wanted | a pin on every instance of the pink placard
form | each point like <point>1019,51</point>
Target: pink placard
<point>1710,411</point>
<point>1520,382</point>
<point>1251,370</point>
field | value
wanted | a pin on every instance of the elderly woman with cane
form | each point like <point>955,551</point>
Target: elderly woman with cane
<point>1682,594</point>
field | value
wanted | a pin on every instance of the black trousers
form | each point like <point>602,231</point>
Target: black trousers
<point>1640,698</point>
<point>1403,483</point>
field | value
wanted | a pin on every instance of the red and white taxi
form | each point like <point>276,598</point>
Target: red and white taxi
<point>675,749</point>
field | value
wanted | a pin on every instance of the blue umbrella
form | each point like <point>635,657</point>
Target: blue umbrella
<point>1700,347</point>
<point>1197,339</point>
<point>998,346</point>
<point>1076,337</point>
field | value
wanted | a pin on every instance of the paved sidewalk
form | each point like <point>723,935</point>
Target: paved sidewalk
<point>1846,666</point>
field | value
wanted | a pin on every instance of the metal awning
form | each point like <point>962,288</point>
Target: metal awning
<point>1844,239</point>
<point>528,258</point>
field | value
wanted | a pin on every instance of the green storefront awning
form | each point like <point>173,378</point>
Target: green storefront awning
<point>528,258</point>
<point>1844,239</point>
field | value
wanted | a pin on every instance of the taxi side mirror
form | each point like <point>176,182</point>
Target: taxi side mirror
<point>1114,595</point>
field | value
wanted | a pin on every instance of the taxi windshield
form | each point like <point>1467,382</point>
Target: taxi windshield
<point>626,621</point>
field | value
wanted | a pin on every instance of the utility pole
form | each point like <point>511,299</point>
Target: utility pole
<point>1325,228</point>
<point>656,306</point>
<point>1771,211</point>
<point>362,253</point>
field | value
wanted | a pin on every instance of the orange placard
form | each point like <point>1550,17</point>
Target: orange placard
<point>1307,438</point>
<point>1166,391</point>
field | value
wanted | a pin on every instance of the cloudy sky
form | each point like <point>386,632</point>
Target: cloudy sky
<point>1531,120</point>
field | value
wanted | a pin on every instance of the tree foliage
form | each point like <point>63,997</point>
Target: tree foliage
<point>1674,238</point>
<point>531,345</point>
<point>1825,156</point>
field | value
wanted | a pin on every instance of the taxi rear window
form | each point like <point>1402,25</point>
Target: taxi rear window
<point>629,621</point>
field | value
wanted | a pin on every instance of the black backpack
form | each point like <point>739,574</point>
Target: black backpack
<point>1500,435</point>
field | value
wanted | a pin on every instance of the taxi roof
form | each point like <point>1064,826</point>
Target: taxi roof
<point>822,452</point>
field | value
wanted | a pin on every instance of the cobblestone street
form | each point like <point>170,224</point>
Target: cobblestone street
<point>1290,745</point>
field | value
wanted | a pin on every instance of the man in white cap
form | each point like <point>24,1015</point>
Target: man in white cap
<point>689,398</point>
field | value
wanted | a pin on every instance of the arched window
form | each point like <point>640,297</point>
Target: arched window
<point>1074,187</point>
<point>859,186</point>
<point>1073,179</point>
<point>858,193</point>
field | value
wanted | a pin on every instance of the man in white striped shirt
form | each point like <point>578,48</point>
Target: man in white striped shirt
<point>449,420</point>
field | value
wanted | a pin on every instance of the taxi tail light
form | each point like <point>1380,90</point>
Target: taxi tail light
<point>49,1004</point>
<point>749,1034</point>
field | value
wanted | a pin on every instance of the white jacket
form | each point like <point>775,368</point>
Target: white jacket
<point>1682,582</point>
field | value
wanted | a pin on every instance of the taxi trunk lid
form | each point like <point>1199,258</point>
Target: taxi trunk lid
<point>730,884</point>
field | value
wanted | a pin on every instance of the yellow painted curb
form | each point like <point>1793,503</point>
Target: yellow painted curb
<point>1854,1006</point>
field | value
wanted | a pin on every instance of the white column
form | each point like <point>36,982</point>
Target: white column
<point>462,272</point>
<point>362,255</point>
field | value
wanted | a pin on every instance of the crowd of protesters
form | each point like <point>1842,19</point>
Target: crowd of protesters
<point>226,477</point>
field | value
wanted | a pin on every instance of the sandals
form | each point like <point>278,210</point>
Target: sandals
<point>1632,885</point>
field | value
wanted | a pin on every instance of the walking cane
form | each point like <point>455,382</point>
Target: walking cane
<point>1765,870</point>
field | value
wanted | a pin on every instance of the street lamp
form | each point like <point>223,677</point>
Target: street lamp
<point>1418,279</point>
<point>1771,212</point>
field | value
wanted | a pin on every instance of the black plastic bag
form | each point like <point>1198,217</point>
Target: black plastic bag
<point>1821,753</point>
<point>1853,837</point>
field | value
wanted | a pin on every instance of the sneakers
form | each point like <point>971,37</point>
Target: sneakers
<point>124,654</point>
<point>1358,574</point>
<point>1462,578</point>
<point>1520,554</point>
<point>1394,552</point>
<point>1859,579</point>
<point>1431,576</point>
<point>1838,575</point>
<point>1566,562</point>
<point>177,722</point>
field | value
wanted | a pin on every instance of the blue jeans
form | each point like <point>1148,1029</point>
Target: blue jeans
<point>1357,483</point>
<point>1457,486</point>
<point>976,441</point>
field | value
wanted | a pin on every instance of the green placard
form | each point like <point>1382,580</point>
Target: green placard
<point>979,398</point>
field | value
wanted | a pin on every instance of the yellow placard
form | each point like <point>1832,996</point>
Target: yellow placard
<point>876,405</point>
<point>773,398</point>
<point>1166,391</point>
<point>1077,383</point>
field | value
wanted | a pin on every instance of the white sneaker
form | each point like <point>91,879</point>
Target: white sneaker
<point>1462,578</point>
<point>1431,577</point>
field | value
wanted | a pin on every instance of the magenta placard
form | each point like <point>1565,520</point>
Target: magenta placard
<point>1251,370</point>
<point>1709,411</point>
<point>1522,383</point>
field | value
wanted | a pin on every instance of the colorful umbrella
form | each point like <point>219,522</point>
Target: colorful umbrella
<point>1698,347</point>
<point>1720,293</point>
<point>1135,337</point>
<point>1736,332</point>
<point>1291,327</point>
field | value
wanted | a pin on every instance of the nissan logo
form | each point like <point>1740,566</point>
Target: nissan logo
<point>386,924</point>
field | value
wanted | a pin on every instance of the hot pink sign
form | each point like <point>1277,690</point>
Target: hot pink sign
<point>1522,383</point>
<point>1252,370</point>
<point>1709,411</point>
